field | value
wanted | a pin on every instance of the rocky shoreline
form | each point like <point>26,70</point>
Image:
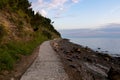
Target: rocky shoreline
<point>82,63</point>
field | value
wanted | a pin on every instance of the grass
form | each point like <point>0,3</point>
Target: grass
<point>6,60</point>
<point>2,32</point>
<point>9,53</point>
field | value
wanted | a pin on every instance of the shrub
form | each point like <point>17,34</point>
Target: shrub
<point>47,34</point>
<point>6,61</point>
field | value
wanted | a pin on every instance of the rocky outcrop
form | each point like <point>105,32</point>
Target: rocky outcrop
<point>82,63</point>
<point>114,74</point>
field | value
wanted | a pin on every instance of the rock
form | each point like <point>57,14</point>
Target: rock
<point>107,59</point>
<point>106,51</point>
<point>96,51</point>
<point>61,49</point>
<point>89,51</point>
<point>114,74</point>
<point>77,57</point>
<point>55,45</point>
<point>86,47</point>
<point>117,60</point>
<point>72,66</point>
<point>99,48</point>
<point>12,79</point>
<point>5,72</point>
<point>67,51</point>
<point>69,60</point>
<point>93,55</point>
<point>78,50</point>
<point>73,57</point>
<point>88,59</point>
<point>70,54</point>
<point>72,51</point>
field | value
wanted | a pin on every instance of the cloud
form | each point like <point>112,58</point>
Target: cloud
<point>57,3</point>
<point>75,1</point>
<point>43,12</point>
<point>56,6</point>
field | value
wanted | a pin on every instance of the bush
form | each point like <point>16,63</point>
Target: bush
<point>3,3</point>
<point>6,61</point>
<point>9,52</point>
<point>47,34</point>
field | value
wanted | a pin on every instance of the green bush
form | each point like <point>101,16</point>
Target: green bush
<point>9,53</point>
<point>3,3</point>
<point>47,34</point>
<point>6,61</point>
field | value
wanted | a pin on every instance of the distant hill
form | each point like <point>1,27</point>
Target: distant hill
<point>110,30</point>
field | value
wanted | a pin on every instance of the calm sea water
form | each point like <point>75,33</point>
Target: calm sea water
<point>111,45</point>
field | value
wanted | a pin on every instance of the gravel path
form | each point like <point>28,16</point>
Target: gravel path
<point>47,66</point>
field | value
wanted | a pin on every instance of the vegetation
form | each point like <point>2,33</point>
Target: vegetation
<point>21,31</point>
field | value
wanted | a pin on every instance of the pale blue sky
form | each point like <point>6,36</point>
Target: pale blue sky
<point>73,14</point>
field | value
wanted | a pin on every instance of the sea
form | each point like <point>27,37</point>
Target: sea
<point>105,45</point>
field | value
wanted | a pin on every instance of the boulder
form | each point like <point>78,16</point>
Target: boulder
<point>114,74</point>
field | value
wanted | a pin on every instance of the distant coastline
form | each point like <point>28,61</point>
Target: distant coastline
<point>107,31</point>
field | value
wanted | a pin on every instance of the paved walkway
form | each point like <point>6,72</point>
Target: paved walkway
<point>47,66</point>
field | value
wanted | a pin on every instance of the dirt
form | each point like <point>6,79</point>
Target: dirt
<point>82,63</point>
<point>20,67</point>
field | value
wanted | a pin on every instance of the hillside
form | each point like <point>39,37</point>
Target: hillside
<point>21,31</point>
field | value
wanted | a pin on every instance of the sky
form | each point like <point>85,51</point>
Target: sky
<point>77,14</point>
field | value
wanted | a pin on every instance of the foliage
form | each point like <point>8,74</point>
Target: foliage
<point>6,61</point>
<point>22,7</point>
<point>9,53</point>
<point>42,30</point>
<point>3,3</point>
<point>47,34</point>
<point>2,32</point>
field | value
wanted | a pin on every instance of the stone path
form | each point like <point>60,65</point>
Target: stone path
<point>47,66</point>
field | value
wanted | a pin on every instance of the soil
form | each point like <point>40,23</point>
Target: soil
<point>82,63</point>
<point>20,67</point>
